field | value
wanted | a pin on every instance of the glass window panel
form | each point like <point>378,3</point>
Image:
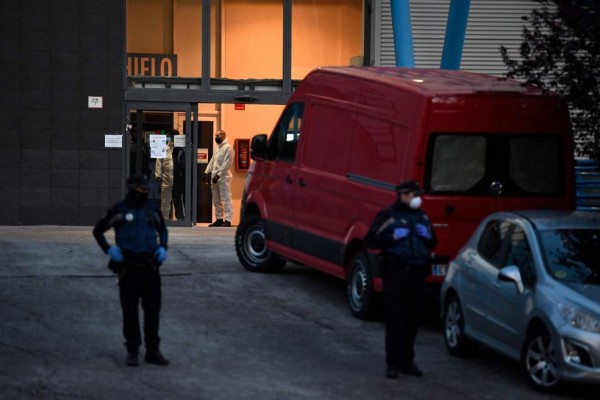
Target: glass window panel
<point>573,255</point>
<point>519,254</point>
<point>326,33</point>
<point>535,164</point>
<point>490,244</point>
<point>284,139</point>
<point>253,39</point>
<point>458,163</point>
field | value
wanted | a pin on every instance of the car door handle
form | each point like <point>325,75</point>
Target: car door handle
<point>301,182</point>
<point>288,179</point>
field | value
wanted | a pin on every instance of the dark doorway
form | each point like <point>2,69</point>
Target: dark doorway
<point>204,199</point>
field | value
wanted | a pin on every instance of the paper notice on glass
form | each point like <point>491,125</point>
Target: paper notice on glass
<point>179,141</point>
<point>158,146</point>
<point>113,141</point>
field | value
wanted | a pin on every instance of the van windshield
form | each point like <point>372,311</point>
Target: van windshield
<point>495,164</point>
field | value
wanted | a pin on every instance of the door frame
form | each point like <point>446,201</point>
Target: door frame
<point>215,118</point>
<point>190,110</point>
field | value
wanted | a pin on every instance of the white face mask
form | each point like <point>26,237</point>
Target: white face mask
<point>415,202</point>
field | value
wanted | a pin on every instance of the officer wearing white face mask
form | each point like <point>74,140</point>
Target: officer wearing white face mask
<point>406,239</point>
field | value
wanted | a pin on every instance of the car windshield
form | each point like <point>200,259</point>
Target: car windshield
<point>573,255</point>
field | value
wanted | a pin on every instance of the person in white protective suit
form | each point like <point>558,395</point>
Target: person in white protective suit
<point>164,175</point>
<point>220,177</point>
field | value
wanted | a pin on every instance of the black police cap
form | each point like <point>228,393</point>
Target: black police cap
<point>408,187</point>
<point>138,180</point>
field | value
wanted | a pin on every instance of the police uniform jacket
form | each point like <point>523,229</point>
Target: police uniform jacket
<point>139,229</point>
<point>410,250</point>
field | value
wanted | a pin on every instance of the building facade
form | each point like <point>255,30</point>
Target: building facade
<point>79,73</point>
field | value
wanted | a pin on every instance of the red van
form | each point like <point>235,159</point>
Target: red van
<point>348,135</point>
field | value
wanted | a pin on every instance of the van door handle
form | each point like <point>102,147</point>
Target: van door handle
<point>288,179</point>
<point>301,182</point>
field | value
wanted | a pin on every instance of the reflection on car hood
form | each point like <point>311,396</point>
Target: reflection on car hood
<point>591,292</point>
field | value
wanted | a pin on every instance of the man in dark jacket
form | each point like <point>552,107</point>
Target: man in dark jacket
<point>405,238</point>
<point>141,247</point>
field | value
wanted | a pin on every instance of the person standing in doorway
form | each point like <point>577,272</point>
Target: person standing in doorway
<point>163,174</point>
<point>140,249</point>
<point>220,177</point>
<point>406,239</point>
<point>178,179</point>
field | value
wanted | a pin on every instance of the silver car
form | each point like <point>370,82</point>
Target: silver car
<point>527,284</point>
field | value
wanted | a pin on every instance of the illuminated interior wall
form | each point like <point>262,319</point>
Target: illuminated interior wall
<point>324,32</point>
<point>150,26</point>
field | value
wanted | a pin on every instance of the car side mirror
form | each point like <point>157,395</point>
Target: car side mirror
<point>512,274</point>
<point>258,147</point>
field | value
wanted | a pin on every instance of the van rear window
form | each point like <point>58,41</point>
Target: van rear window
<point>495,165</point>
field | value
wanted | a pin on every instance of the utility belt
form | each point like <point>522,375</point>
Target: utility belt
<point>392,261</point>
<point>134,261</point>
<point>138,260</point>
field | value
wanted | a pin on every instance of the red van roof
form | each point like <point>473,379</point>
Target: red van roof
<point>435,81</point>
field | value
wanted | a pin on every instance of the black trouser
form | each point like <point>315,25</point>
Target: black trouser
<point>177,193</point>
<point>403,292</point>
<point>140,283</point>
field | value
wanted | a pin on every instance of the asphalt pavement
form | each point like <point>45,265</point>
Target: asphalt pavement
<point>229,333</point>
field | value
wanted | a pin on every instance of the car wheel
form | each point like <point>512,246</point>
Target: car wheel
<point>364,302</point>
<point>454,329</point>
<point>539,361</point>
<point>251,246</point>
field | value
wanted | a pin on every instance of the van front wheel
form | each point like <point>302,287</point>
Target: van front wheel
<point>251,246</point>
<point>361,293</point>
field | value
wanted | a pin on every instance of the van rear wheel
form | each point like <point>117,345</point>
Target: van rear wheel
<point>362,298</point>
<point>251,246</point>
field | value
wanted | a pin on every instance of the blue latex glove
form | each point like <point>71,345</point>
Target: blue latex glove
<point>160,254</point>
<point>423,231</point>
<point>400,233</point>
<point>115,254</point>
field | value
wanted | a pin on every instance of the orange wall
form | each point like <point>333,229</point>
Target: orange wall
<point>150,26</point>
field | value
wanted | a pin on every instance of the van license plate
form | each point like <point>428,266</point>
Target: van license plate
<point>439,269</point>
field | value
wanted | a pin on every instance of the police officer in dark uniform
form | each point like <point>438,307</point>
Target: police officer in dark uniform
<point>141,247</point>
<point>405,237</point>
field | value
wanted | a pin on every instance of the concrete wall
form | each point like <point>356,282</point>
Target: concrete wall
<point>53,55</point>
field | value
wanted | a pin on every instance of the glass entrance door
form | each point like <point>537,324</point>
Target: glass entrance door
<point>164,150</point>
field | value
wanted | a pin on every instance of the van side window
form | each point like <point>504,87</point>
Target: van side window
<point>495,165</point>
<point>534,164</point>
<point>458,163</point>
<point>490,245</point>
<point>285,136</point>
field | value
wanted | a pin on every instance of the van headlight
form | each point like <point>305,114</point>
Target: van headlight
<point>579,319</point>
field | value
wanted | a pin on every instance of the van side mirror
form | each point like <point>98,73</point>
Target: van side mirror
<point>512,274</point>
<point>258,148</point>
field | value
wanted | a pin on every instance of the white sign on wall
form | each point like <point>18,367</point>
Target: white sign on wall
<point>94,101</point>
<point>113,141</point>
